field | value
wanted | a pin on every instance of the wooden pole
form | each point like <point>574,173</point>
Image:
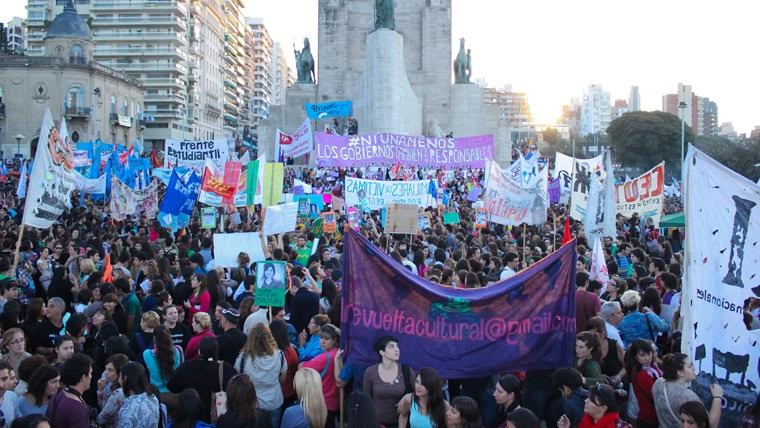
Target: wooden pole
<point>554,236</point>
<point>525,244</point>
<point>18,249</point>
<point>342,409</point>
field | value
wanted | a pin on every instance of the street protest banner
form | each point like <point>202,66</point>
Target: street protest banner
<point>400,218</point>
<point>294,145</point>
<point>599,218</point>
<point>643,195</point>
<point>369,195</point>
<point>227,247</point>
<point>555,191</point>
<point>272,185</point>
<point>131,202</point>
<point>528,174</point>
<point>81,158</point>
<point>194,153</point>
<point>208,217</point>
<point>90,185</point>
<point>506,202</point>
<point>179,200</point>
<point>575,178</point>
<point>52,179</point>
<point>722,271</point>
<point>390,149</point>
<point>213,184</point>
<point>271,283</point>
<point>526,322</point>
<point>328,110</point>
<point>280,218</point>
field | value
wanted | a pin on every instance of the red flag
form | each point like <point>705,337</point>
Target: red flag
<point>154,161</point>
<point>567,237</point>
<point>107,269</point>
<point>215,185</point>
<point>124,155</point>
<point>231,179</point>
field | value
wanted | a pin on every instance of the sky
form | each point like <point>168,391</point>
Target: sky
<point>553,49</point>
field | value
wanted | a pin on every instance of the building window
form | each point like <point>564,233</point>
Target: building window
<point>77,55</point>
<point>75,98</point>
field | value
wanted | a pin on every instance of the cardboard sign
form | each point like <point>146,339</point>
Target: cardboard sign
<point>423,221</point>
<point>208,218</point>
<point>271,283</point>
<point>329,222</point>
<point>353,217</point>
<point>481,218</point>
<point>227,247</point>
<point>451,218</point>
<point>401,218</point>
<point>280,219</point>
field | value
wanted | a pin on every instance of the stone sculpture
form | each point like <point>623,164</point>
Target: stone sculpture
<point>384,17</point>
<point>304,63</point>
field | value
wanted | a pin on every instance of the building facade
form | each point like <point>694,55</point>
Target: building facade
<point>263,75</point>
<point>97,101</point>
<point>634,99</point>
<point>596,112</point>
<point>283,75</point>
<point>235,80</point>
<point>205,80</point>
<point>513,106</point>
<point>16,35</point>
<point>671,103</point>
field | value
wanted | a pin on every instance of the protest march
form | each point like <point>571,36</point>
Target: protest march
<point>374,280</point>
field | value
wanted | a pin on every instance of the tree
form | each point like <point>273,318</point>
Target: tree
<point>553,143</point>
<point>741,156</point>
<point>643,139</point>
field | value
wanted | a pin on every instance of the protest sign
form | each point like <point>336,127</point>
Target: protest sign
<point>280,218</point>
<point>555,191</point>
<point>423,221</point>
<point>390,149</point>
<point>208,218</point>
<point>179,200</point>
<point>400,218</point>
<point>213,184</point>
<point>643,195</point>
<point>506,202</point>
<point>131,202</point>
<point>227,247</point>
<point>374,195</point>
<point>303,141</point>
<point>90,185</point>
<point>526,322</point>
<point>328,110</point>
<point>528,174</point>
<point>52,179</point>
<point>193,154</point>
<point>353,217</point>
<point>329,224</point>
<point>272,186</point>
<point>81,158</point>
<point>451,217</point>
<point>723,228</point>
<point>271,283</point>
<point>599,218</point>
<point>578,174</point>
<point>309,205</point>
<point>481,218</point>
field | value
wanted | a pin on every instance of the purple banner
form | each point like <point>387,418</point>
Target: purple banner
<point>555,189</point>
<point>526,322</point>
<point>391,149</point>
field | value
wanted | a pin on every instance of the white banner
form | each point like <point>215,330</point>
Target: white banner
<point>599,218</point>
<point>52,178</point>
<point>131,202</point>
<point>280,218</point>
<point>81,158</point>
<point>227,247</point>
<point>193,154</point>
<point>577,188</point>
<point>90,185</point>
<point>643,195</point>
<point>722,274</point>
<point>303,141</point>
<point>375,195</point>
<point>506,202</point>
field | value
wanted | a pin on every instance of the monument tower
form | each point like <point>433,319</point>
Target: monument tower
<point>393,60</point>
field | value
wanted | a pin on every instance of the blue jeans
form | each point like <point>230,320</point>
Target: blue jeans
<point>276,417</point>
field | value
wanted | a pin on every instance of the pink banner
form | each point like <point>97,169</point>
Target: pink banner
<point>392,149</point>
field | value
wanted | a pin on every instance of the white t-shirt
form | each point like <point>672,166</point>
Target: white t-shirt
<point>507,272</point>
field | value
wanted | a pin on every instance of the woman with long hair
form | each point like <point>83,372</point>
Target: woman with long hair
<point>600,410</point>
<point>507,396</point>
<point>360,412</point>
<point>115,312</point>
<point>163,359</point>
<point>279,329</point>
<point>672,390</point>
<point>14,342</point>
<point>45,267</point>
<point>425,407</point>
<point>43,384</point>
<point>202,328</point>
<point>110,393</point>
<point>64,349</point>
<point>265,365</point>
<point>141,407</point>
<point>311,411</point>
<point>587,357</point>
<point>612,360</point>
<point>308,349</point>
<point>203,374</point>
<point>641,364</point>
<point>242,406</point>
<point>143,338</point>
<point>324,363</point>
<point>188,411</point>
<point>180,332</point>
<point>463,413</point>
<point>200,300</point>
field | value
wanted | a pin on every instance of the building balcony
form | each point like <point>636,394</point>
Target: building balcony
<point>171,98</point>
<point>149,67</point>
<point>122,120</point>
<point>73,112</point>
<point>212,108</point>
<point>153,6</point>
<point>139,52</point>
<point>165,113</point>
<point>144,21</point>
<point>154,82</point>
<point>142,36</point>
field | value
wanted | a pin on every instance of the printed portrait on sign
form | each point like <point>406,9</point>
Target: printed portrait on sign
<point>60,150</point>
<point>270,276</point>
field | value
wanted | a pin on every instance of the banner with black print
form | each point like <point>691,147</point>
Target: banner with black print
<point>722,275</point>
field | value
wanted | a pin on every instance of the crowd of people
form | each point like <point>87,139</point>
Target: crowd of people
<point>128,324</point>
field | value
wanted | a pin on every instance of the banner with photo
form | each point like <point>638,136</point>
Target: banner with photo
<point>328,110</point>
<point>508,203</point>
<point>368,195</point>
<point>194,153</point>
<point>52,179</point>
<point>643,195</point>
<point>391,149</point>
<point>575,179</point>
<point>130,202</point>
<point>722,276</point>
<point>526,322</point>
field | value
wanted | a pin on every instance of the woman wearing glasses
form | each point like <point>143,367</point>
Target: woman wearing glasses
<point>14,342</point>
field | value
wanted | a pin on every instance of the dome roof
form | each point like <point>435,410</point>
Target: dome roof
<point>69,24</point>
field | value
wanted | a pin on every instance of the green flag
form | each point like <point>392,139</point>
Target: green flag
<point>252,182</point>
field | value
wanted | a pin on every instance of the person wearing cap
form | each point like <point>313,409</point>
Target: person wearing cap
<point>231,340</point>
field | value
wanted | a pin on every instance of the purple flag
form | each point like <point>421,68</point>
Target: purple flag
<point>474,193</point>
<point>526,322</point>
<point>555,188</point>
<point>390,149</point>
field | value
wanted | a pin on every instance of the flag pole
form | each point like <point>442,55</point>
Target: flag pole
<point>525,243</point>
<point>18,248</point>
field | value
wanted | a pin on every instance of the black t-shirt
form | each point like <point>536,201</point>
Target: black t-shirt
<point>45,335</point>
<point>230,343</point>
<point>181,334</point>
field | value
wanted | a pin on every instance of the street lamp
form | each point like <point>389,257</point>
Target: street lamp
<point>682,106</point>
<point>18,138</point>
